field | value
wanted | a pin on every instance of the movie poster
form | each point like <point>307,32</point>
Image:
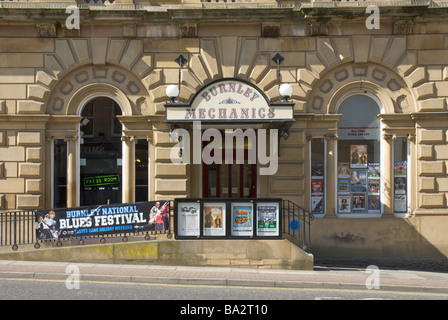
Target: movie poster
<point>343,170</point>
<point>358,181</point>
<point>102,219</point>
<point>317,170</point>
<point>242,219</point>
<point>214,219</point>
<point>358,202</point>
<point>267,219</point>
<point>358,156</point>
<point>374,205</point>
<point>400,185</point>
<point>188,217</point>
<point>374,170</point>
<point>373,185</point>
<point>400,204</point>
<point>317,204</point>
<point>343,204</point>
<point>317,186</point>
<point>343,186</point>
<point>400,168</point>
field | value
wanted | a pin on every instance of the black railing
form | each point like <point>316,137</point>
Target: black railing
<point>297,224</point>
<point>17,228</point>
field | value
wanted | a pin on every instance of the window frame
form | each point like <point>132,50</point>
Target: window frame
<point>381,162</point>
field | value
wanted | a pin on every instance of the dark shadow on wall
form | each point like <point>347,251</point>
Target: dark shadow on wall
<point>419,243</point>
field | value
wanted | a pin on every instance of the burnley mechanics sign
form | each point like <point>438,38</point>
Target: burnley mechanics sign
<point>229,100</point>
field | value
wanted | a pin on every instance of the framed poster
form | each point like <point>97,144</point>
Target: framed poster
<point>358,156</point>
<point>343,170</point>
<point>400,203</point>
<point>268,219</point>
<point>400,185</point>
<point>242,219</point>
<point>188,218</point>
<point>373,185</point>
<point>400,168</point>
<point>317,170</point>
<point>374,170</point>
<point>374,205</point>
<point>317,186</point>
<point>214,219</point>
<point>358,181</point>
<point>344,204</point>
<point>358,202</point>
<point>317,204</point>
<point>343,186</point>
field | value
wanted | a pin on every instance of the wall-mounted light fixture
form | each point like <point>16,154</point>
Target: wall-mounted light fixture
<point>285,90</point>
<point>172,91</point>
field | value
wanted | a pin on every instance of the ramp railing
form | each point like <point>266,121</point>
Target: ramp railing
<point>297,224</point>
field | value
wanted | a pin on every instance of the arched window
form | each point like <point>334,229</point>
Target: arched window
<point>100,153</point>
<point>359,156</point>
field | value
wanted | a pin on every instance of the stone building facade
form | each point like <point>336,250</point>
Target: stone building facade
<point>125,53</point>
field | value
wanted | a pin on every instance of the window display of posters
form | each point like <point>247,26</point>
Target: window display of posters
<point>373,205</point>
<point>343,204</point>
<point>400,203</point>
<point>242,215</point>
<point>343,186</point>
<point>400,169</point>
<point>374,170</point>
<point>358,202</point>
<point>400,185</point>
<point>373,185</point>
<point>214,219</point>
<point>358,181</point>
<point>267,219</point>
<point>188,218</point>
<point>358,156</point>
<point>317,204</point>
<point>317,170</point>
<point>343,170</point>
<point>317,186</point>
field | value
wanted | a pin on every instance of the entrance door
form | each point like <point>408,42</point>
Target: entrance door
<point>230,180</point>
<point>101,153</point>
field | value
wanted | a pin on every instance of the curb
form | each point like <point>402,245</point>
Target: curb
<point>285,284</point>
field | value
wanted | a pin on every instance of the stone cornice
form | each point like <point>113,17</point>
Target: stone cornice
<point>318,12</point>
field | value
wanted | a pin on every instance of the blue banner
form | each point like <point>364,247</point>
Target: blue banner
<point>102,219</point>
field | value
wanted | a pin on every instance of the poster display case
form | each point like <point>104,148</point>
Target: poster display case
<point>227,218</point>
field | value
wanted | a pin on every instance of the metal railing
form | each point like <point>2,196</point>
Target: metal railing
<point>297,224</point>
<point>17,228</point>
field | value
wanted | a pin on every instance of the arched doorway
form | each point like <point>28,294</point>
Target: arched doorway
<point>100,164</point>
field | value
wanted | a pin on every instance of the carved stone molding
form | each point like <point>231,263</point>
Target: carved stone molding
<point>71,138</point>
<point>127,138</point>
<point>46,30</point>
<point>331,136</point>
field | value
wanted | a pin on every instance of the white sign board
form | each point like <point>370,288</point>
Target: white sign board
<point>229,100</point>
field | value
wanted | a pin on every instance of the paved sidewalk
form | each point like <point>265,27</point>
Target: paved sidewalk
<point>321,277</point>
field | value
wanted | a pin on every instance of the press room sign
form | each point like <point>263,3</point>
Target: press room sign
<point>229,100</point>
